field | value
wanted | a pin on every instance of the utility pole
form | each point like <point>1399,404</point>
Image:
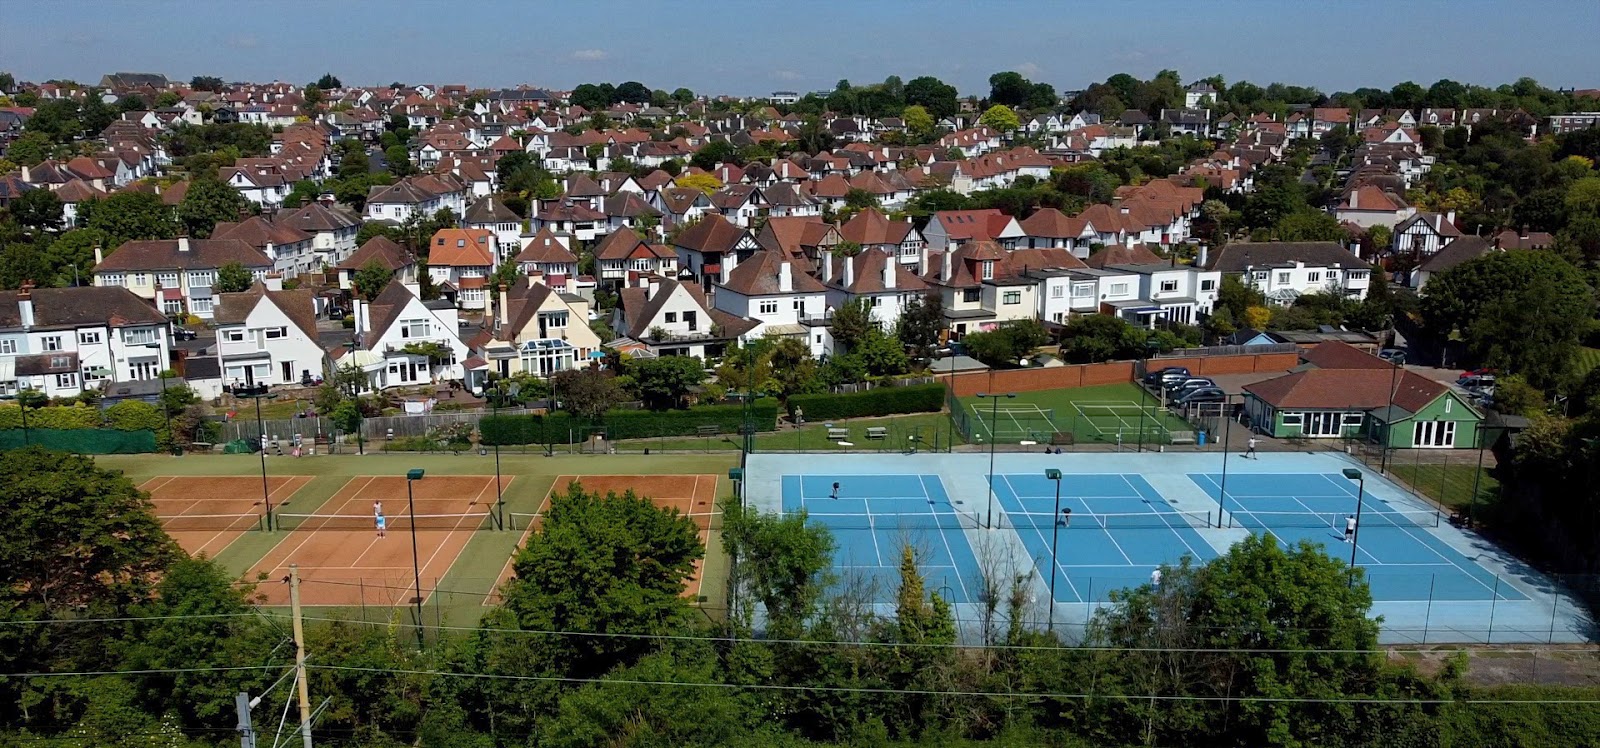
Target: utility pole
<point>247,729</point>
<point>300,655</point>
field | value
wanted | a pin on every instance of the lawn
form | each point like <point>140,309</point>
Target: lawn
<point>1588,360</point>
<point>1448,484</point>
<point>1065,417</point>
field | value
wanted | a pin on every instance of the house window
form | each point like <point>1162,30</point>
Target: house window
<point>1208,285</point>
<point>1356,275</point>
<point>141,279</point>
<point>555,319</point>
<point>1011,297</point>
<point>1057,292</point>
<point>1353,419</point>
<point>51,343</point>
<point>8,346</point>
<point>172,306</point>
<point>1293,419</point>
<point>414,328</point>
<point>1260,275</point>
<point>1314,277</point>
<point>113,279</point>
<point>1119,289</point>
<point>202,277</point>
<point>1169,285</point>
<point>201,305</point>
<point>273,333</point>
<point>91,375</point>
<point>971,295</point>
<point>1082,290</point>
<point>672,317</point>
<point>233,336</point>
<point>139,336</point>
<point>89,338</point>
<point>769,306</point>
<point>988,269</point>
<point>1283,279</point>
<point>167,280</point>
<point>69,379</point>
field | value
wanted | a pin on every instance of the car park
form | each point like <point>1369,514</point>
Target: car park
<point>1166,375</point>
<point>1202,395</point>
<point>1184,386</point>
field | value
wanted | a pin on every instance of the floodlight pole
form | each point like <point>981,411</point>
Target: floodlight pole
<point>1150,345</point>
<point>1477,435</point>
<point>413,475</point>
<point>1388,419</point>
<point>994,417</point>
<point>258,392</point>
<point>1227,432</point>
<point>1055,533</point>
<point>1361,490</point>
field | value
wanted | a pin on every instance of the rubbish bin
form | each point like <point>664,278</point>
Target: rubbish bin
<point>1200,438</point>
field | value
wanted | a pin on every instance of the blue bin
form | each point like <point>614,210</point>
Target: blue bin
<point>1200,438</point>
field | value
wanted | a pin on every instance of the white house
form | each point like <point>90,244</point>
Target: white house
<point>464,259</point>
<point>397,335</point>
<point>951,228</point>
<point>492,215</point>
<point>268,337</point>
<point>1424,234</point>
<point>873,275</point>
<point>1284,271</point>
<point>770,290</point>
<point>333,229</point>
<point>177,274</point>
<point>61,341</point>
<point>673,319</point>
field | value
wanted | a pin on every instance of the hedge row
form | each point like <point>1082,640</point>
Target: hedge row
<point>129,415</point>
<point>882,401</point>
<point>562,428</point>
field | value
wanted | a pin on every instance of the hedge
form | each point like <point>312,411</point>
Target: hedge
<point>562,428</point>
<point>880,401</point>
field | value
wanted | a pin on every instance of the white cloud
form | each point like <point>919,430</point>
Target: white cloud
<point>786,75</point>
<point>1028,69</point>
<point>590,55</point>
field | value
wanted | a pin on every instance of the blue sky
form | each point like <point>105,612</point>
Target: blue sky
<point>756,46</point>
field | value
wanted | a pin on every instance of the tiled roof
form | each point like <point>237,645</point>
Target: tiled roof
<point>164,254</point>
<point>546,248</point>
<point>1334,354</point>
<point>379,248</point>
<point>79,306</point>
<point>871,227</point>
<point>1348,389</point>
<point>461,248</point>
<point>713,233</point>
<point>299,305</point>
<point>758,276</point>
<point>1459,250</point>
<point>1234,258</point>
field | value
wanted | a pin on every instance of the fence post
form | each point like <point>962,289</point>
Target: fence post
<point>1493,601</point>
<point>1427,617</point>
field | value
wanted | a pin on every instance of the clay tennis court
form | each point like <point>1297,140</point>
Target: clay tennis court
<point>206,514</point>
<point>344,562</point>
<point>692,495</point>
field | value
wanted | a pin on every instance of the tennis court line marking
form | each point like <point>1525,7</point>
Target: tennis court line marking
<point>1494,592</point>
<point>439,547</point>
<point>944,538</point>
<point>1367,553</point>
<point>310,535</point>
<point>1053,558</point>
<point>1159,513</point>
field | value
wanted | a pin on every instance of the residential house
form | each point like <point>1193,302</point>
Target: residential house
<point>533,329</point>
<point>463,259</point>
<point>1173,292</point>
<point>622,256</point>
<point>1423,234</point>
<point>704,249</point>
<point>493,215</point>
<point>948,229</point>
<point>681,205</point>
<point>262,185</point>
<point>1049,228</point>
<point>289,248</point>
<point>801,238</point>
<point>177,274</point>
<point>979,288</point>
<point>401,340</point>
<point>268,337</point>
<point>766,288</point>
<point>874,275</point>
<point>333,229</point>
<point>571,216</point>
<point>1459,250</point>
<point>549,256</point>
<point>1367,206</point>
<point>385,252</point>
<point>418,195</point>
<point>63,341</point>
<point>629,210</point>
<point>1523,239</point>
<point>872,230</point>
<point>1284,271</point>
<point>673,319</point>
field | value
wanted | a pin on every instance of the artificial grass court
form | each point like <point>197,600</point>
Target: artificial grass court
<point>929,431</point>
<point>454,595</point>
<point>1107,411</point>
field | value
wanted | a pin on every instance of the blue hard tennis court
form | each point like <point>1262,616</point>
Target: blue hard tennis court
<point>1403,558</point>
<point>874,517</point>
<point>1120,530</point>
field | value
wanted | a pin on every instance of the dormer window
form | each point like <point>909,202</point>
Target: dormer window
<point>988,269</point>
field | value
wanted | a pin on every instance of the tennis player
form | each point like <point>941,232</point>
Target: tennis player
<point>1250,448</point>
<point>835,493</point>
<point>383,524</point>
<point>1349,528</point>
<point>1155,578</point>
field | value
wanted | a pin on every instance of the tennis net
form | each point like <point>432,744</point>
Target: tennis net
<point>398,522</point>
<point>241,522</point>
<point>1105,521</point>
<point>906,521</point>
<point>1334,520</point>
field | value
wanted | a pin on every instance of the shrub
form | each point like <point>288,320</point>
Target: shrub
<point>562,428</point>
<point>882,401</point>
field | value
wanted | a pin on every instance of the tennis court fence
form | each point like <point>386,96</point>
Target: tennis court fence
<point>958,520</point>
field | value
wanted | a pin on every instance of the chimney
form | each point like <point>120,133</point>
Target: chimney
<point>654,286</point>
<point>888,272</point>
<point>26,173</point>
<point>25,305</point>
<point>946,266</point>
<point>502,319</point>
<point>849,270</point>
<point>359,311</point>
<point>825,263</point>
<point>785,277</point>
<point>1450,216</point>
<point>728,263</point>
<point>244,213</point>
<point>1355,199</point>
<point>183,244</point>
<point>270,250</point>
<point>304,201</point>
<point>1200,258</point>
<point>273,282</point>
<point>99,255</point>
<point>1523,234</point>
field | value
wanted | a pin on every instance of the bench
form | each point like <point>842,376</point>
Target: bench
<point>835,435</point>
<point>1183,437</point>
<point>877,432</point>
<point>1060,438</point>
<point>708,430</point>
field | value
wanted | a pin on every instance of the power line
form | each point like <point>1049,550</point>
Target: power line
<point>124,619</point>
<point>936,692</point>
<point>159,671</point>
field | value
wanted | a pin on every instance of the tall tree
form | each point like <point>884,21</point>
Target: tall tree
<point>125,216</point>
<point>209,201</point>
<point>1001,118</point>
<point>852,322</point>
<point>328,82</point>
<point>666,382</point>
<point>1009,88</point>
<point>586,393</point>
<point>372,278</point>
<point>37,210</point>
<point>934,95</point>
<point>920,323</point>
<point>233,277</point>
<point>633,92</point>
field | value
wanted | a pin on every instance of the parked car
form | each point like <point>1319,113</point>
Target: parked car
<point>1470,373</point>
<point>181,333</point>
<point>1164,376</point>
<point>1202,395</point>
<point>1183,387</point>
<point>1396,356</point>
<point>1476,382</point>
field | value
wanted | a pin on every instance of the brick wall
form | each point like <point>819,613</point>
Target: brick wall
<point>1111,372</point>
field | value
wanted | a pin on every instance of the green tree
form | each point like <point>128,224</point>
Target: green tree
<point>602,563</point>
<point>372,278</point>
<point>399,161</point>
<point>37,210</point>
<point>883,355</point>
<point>329,82</point>
<point>586,393</point>
<point>1007,344</point>
<point>22,261</point>
<point>779,561</point>
<point>919,122</point>
<point>1091,338</point>
<point>1238,298</point>
<point>1008,89</point>
<point>233,277</point>
<point>1583,196</point>
<point>71,257</point>
<point>714,153</point>
<point>208,202</point>
<point>794,371</point>
<point>1001,118</point>
<point>633,92</point>
<point>666,382</point>
<point>920,323</point>
<point>852,322</point>
<point>1514,309</point>
<point>860,199</point>
<point>1309,226</point>
<point>205,83</point>
<point>936,96</point>
<point>126,216</point>
<point>30,148</point>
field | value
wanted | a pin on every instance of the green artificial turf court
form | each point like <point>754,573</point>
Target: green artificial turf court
<point>1131,412</point>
